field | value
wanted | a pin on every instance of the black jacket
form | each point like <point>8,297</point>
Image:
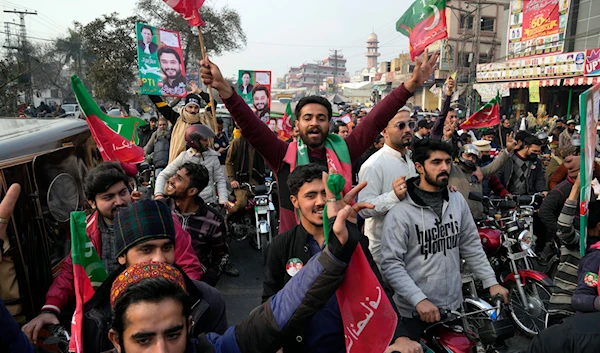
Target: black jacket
<point>144,134</point>
<point>208,313</point>
<point>579,333</point>
<point>552,206</point>
<point>586,299</point>
<point>536,181</point>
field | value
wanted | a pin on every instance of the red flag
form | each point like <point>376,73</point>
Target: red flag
<point>368,316</point>
<point>188,9</point>
<point>284,128</point>
<point>112,146</point>
<point>423,23</point>
<point>486,116</point>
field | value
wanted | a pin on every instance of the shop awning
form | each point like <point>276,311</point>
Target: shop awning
<point>548,83</point>
<point>519,84</point>
<point>581,80</point>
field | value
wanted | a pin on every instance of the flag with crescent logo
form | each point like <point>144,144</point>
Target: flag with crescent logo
<point>486,116</point>
<point>423,23</point>
<point>188,9</point>
<point>286,123</point>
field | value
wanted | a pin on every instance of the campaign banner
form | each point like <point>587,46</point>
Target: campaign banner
<point>160,62</point>
<point>255,89</point>
<point>592,62</point>
<point>534,91</point>
<point>589,106</point>
<point>536,27</point>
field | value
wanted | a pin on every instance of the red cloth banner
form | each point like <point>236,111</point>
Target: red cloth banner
<point>112,146</point>
<point>188,9</point>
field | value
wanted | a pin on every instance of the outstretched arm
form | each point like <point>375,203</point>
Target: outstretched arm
<point>164,108</point>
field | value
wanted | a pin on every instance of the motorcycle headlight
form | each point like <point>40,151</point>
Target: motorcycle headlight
<point>262,202</point>
<point>527,212</point>
<point>526,240</point>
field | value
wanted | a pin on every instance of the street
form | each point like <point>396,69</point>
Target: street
<point>242,294</point>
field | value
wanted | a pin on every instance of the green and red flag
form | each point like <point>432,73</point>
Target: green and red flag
<point>188,9</point>
<point>423,23</point>
<point>89,273</point>
<point>486,116</point>
<point>286,124</point>
<point>126,127</point>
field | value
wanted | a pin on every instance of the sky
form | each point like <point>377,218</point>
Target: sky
<point>280,33</point>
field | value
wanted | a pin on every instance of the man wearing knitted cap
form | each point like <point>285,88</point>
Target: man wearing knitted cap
<point>145,231</point>
<point>181,120</point>
<point>152,311</point>
<point>107,192</point>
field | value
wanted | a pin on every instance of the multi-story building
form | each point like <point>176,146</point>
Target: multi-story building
<point>311,75</point>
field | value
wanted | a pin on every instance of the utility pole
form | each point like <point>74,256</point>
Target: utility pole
<point>335,69</point>
<point>473,71</point>
<point>25,52</point>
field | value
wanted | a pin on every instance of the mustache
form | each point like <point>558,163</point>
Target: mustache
<point>443,174</point>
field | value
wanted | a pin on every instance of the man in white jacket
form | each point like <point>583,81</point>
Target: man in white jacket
<point>386,171</point>
<point>197,137</point>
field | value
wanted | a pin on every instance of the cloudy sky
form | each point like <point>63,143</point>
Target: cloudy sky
<point>280,33</point>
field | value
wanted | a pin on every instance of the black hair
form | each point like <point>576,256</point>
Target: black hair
<point>198,175</point>
<point>246,73</point>
<point>148,28</point>
<point>304,174</point>
<point>593,214</point>
<point>522,135</point>
<point>464,137</point>
<point>532,140</point>
<point>167,50</point>
<point>153,119</point>
<point>337,125</point>
<point>313,100</point>
<point>150,290</point>
<point>219,121</point>
<point>102,177</point>
<point>260,88</point>
<point>378,138</point>
<point>423,149</point>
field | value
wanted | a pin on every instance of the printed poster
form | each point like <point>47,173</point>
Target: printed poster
<point>160,62</point>
<point>534,91</point>
<point>589,106</point>
<point>255,89</point>
<point>536,27</point>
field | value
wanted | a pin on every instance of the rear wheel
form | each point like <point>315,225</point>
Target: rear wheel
<point>532,320</point>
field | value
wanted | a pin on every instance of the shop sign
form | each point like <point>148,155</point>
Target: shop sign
<point>592,62</point>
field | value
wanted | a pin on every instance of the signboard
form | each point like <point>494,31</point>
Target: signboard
<point>255,89</point>
<point>536,27</point>
<point>488,91</point>
<point>534,91</point>
<point>589,106</point>
<point>592,62</point>
<point>549,66</point>
<point>160,62</point>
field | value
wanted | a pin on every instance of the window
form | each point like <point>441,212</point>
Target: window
<point>466,22</point>
<point>487,24</point>
<point>463,59</point>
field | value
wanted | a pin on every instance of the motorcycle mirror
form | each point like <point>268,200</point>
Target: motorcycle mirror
<point>475,196</point>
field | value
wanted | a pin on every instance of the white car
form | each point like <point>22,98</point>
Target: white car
<point>71,110</point>
<point>117,112</point>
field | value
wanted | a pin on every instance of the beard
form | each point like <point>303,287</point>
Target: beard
<point>404,141</point>
<point>311,139</point>
<point>172,73</point>
<point>440,181</point>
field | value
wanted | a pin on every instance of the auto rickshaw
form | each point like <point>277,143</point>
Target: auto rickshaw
<point>49,159</point>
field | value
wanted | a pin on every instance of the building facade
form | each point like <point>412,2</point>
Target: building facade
<point>312,75</point>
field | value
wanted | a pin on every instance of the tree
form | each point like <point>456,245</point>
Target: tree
<point>222,32</point>
<point>111,43</point>
<point>74,53</point>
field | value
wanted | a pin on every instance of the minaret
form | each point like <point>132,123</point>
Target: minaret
<point>372,54</point>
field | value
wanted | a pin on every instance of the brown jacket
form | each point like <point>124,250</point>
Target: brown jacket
<point>236,160</point>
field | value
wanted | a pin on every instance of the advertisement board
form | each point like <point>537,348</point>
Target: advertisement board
<point>255,89</point>
<point>592,62</point>
<point>536,27</point>
<point>557,65</point>
<point>160,61</point>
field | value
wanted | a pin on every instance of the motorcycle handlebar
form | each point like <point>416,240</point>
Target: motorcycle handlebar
<point>443,314</point>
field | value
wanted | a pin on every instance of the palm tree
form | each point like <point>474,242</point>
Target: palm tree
<point>72,48</point>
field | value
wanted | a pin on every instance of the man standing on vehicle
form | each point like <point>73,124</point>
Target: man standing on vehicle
<point>424,238</point>
<point>107,193</point>
<point>145,231</point>
<point>313,116</point>
<point>387,171</point>
<point>157,149</point>
<point>205,225</point>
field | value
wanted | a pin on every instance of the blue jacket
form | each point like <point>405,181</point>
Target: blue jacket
<point>12,339</point>
<point>586,299</point>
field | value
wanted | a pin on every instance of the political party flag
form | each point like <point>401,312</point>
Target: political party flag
<point>89,273</point>
<point>486,116</point>
<point>113,147</point>
<point>188,9</point>
<point>286,123</point>
<point>126,127</point>
<point>423,23</point>
<point>453,76</point>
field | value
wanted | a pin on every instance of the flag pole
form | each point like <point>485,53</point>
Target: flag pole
<point>210,94</point>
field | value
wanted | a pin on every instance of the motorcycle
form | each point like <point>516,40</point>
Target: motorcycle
<point>477,327</point>
<point>145,180</point>
<point>264,224</point>
<point>508,240</point>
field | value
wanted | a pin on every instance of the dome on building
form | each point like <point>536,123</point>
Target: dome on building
<point>372,37</point>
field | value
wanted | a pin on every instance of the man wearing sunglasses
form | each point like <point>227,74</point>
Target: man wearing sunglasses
<point>387,171</point>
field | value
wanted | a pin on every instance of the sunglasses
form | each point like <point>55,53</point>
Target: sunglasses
<point>402,125</point>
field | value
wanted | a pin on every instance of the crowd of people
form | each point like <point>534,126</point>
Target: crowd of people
<point>405,203</point>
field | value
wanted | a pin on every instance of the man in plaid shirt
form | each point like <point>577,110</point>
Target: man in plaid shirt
<point>205,225</point>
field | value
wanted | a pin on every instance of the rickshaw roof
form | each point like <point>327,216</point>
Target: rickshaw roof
<point>21,137</point>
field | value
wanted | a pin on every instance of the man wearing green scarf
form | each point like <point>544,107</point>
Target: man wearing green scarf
<point>313,115</point>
